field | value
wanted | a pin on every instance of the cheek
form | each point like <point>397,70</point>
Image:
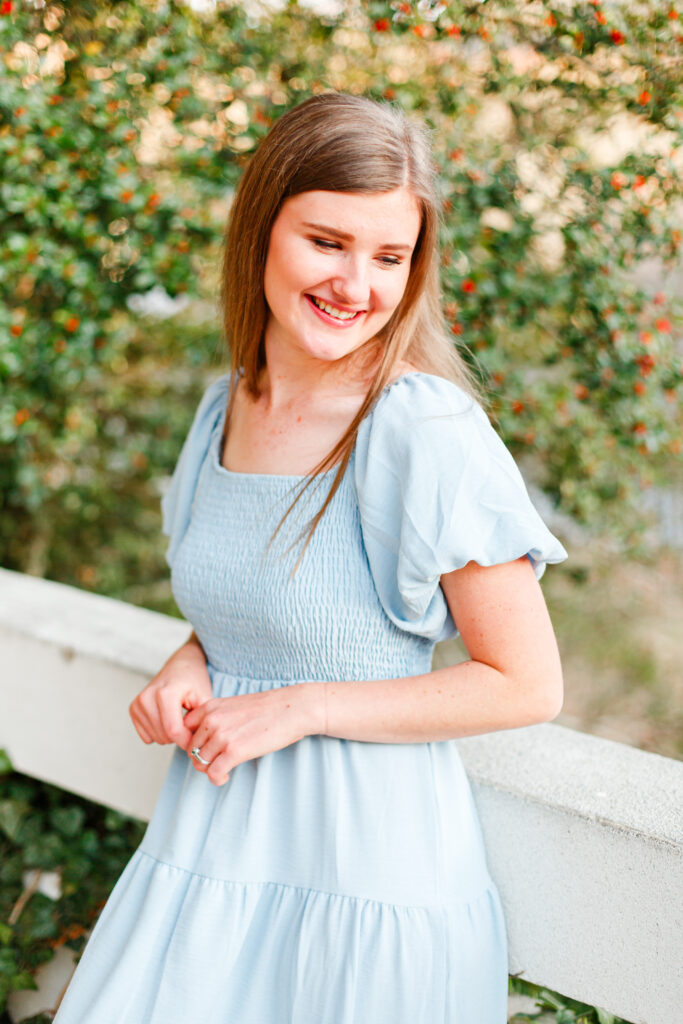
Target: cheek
<point>395,290</point>
<point>275,283</point>
<point>289,271</point>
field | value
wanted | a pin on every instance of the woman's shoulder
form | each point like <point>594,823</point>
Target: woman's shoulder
<point>416,393</point>
<point>422,433</point>
<point>437,488</point>
<point>176,503</point>
<point>422,413</point>
<point>214,397</point>
<point>209,414</point>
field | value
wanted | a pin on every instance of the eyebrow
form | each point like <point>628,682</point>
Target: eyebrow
<point>325,229</point>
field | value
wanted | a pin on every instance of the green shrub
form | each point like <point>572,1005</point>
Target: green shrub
<point>544,234</point>
<point>45,830</point>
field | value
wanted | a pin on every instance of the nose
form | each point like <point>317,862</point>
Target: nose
<point>351,284</point>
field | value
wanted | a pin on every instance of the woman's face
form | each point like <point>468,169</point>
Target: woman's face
<point>337,267</point>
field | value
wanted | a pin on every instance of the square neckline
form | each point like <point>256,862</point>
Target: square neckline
<point>218,445</point>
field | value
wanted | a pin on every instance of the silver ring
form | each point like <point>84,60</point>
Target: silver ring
<point>197,756</point>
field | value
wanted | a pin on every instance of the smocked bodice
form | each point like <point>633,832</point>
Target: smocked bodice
<point>252,616</point>
<point>429,487</point>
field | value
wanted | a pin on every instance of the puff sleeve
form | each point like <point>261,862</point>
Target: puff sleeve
<point>176,504</point>
<point>437,488</point>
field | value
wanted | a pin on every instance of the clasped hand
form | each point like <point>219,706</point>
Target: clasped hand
<point>226,730</point>
<point>230,730</point>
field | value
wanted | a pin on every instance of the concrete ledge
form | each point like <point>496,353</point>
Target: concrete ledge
<point>71,664</point>
<point>585,836</point>
<point>585,841</point>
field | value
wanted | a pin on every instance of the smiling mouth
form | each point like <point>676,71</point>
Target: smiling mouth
<point>333,312</point>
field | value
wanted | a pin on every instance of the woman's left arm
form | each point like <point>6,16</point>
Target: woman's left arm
<point>514,677</point>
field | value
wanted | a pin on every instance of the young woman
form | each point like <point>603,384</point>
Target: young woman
<point>340,504</point>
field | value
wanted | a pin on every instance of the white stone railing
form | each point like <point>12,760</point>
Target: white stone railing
<point>585,836</point>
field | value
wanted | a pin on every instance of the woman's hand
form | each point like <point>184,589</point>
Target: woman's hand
<point>182,684</point>
<point>230,730</point>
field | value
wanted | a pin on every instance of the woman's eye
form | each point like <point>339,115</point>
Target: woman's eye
<point>327,246</point>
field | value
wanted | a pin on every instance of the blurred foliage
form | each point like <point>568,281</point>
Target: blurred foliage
<point>59,858</point>
<point>563,1009</point>
<point>124,127</point>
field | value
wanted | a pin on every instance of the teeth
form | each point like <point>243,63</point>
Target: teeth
<point>339,314</point>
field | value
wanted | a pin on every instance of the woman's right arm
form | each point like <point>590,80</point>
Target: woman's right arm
<point>181,685</point>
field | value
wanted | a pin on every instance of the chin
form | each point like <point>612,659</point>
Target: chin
<point>328,351</point>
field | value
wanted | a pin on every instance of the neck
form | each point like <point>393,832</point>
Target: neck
<point>290,376</point>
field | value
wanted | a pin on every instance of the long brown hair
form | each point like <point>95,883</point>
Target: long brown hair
<point>337,142</point>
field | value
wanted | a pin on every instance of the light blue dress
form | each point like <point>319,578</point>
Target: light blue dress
<point>334,881</point>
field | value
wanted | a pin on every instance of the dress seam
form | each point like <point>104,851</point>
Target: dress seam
<point>307,890</point>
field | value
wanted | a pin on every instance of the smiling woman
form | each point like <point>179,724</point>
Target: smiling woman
<point>331,286</point>
<point>341,503</point>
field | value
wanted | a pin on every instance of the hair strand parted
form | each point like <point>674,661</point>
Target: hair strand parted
<point>338,143</point>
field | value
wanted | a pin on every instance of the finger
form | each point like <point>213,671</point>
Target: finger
<point>148,715</point>
<point>199,737</point>
<point>198,766</point>
<point>140,724</point>
<point>209,749</point>
<point>194,718</point>
<point>198,762</point>
<point>195,699</point>
<point>204,725</point>
<point>142,732</point>
<point>219,770</point>
<point>171,719</point>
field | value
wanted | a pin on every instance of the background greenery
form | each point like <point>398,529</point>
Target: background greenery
<point>138,118</point>
<point>124,127</point>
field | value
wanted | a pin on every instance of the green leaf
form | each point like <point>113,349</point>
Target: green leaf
<point>12,814</point>
<point>5,763</point>
<point>23,981</point>
<point>68,820</point>
<point>46,851</point>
